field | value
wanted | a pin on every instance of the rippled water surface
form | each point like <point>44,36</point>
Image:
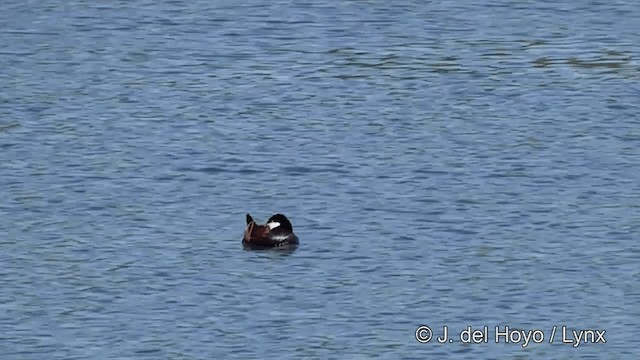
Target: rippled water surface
<point>457,163</point>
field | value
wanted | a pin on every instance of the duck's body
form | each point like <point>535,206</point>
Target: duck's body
<point>276,233</point>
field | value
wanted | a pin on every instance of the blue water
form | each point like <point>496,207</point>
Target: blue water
<point>453,163</point>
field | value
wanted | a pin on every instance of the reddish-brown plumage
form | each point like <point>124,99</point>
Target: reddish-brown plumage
<point>261,236</point>
<point>256,233</point>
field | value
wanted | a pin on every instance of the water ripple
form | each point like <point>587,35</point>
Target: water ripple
<point>439,168</point>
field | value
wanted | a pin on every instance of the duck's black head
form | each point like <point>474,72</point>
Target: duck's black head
<point>279,223</point>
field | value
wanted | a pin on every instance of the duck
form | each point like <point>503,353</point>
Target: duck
<point>276,233</point>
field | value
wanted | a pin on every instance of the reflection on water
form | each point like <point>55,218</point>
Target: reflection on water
<point>451,163</point>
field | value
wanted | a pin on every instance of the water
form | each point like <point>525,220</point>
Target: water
<point>454,163</point>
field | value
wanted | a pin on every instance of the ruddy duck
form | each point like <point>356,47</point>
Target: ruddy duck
<point>276,233</point>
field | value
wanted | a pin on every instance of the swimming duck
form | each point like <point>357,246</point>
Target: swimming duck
<point>277,232</point>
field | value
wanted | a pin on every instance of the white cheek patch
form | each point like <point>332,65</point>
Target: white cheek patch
<point>273,225</point>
